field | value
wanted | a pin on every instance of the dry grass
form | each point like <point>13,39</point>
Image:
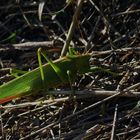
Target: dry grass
<point>102,106</point>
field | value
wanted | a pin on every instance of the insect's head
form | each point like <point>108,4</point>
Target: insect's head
<point>81,62</point>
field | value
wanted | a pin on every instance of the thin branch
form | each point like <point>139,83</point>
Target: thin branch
<point>114,123</point>
<point>27,45</point>
<point>72,28</point>
<point>123,50</point>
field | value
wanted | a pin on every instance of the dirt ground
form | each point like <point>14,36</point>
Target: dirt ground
<point>98,105</point>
